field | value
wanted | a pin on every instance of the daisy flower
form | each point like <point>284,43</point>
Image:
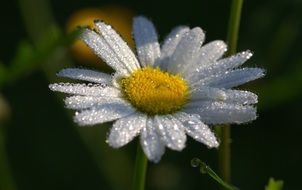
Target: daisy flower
<point>161,93</point>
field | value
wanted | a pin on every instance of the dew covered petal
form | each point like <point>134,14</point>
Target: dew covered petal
<point>206,93</point>
<point>125,129</point>
<point>169,45</point>
<point>146,41</point>
<point>103,113</point>
<point>186,50</point>
<point>240,97</point>
<point>225,95</point>
<point>208,54</point>
<point>171,131</point>
<point>151,142</point>
<point>86,75</point>
<point>232,78</point>
<point>84,89</point>
<point>105,51</point>
<point>83,102</point>
<point>118,45</point>
<point>197,129</point>
<point>219,66</point>
<point>221,113</point>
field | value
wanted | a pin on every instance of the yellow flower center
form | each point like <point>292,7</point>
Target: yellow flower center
<point>155,92</point>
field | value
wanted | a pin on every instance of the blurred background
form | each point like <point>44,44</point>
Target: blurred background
<point>40,146</point>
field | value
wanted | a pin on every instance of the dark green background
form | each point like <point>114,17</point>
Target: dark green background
<point>45,150</point>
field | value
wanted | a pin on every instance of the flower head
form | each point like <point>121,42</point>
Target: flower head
<point>163,92</point>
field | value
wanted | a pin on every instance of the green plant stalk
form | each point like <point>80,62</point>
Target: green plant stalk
<point>6,177</point>
<point>232,37</point>
<point>140,169</point>
<point>224,154</point>
<point>233,26</point>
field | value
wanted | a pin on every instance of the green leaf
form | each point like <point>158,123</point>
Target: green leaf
<point>205,169</point>
<point>274,184</point>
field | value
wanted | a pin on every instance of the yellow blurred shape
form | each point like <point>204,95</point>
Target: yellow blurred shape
<point>117,16</point>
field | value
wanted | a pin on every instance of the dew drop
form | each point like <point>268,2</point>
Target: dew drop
<point>191,122</point>
<point>204,169</point>
<point>195,162</point>
<point>103,85</point>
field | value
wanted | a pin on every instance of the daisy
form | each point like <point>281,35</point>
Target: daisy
<point>162,92</point>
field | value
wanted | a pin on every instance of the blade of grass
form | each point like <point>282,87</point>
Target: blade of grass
<point>205,169</point>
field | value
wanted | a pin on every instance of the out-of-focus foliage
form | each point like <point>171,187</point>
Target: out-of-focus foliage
<point>29,58</point>
<point>274,184</point>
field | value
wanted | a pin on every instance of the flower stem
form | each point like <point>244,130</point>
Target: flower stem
<point>225,154</point>
<point>233,26</point>
<point>140,169</point>
<point>225,133</point>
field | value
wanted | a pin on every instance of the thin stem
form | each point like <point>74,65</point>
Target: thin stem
<point>140,169</point>
<point>225,133</point>
<point>233,27</point>
<point>225,154</point>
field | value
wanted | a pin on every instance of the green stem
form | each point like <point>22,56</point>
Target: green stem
<point>225,154</point>
<point>140,169</point>
<point>232,37</point>
<point>233,27</point>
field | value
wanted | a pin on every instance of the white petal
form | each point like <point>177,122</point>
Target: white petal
<point>146,41</point>
<point>228,96</point>
<point>104,50</point>
<point>219,66</point>
<point>83,89</point>
<point>207,55</point>
<point>171,131</point>
<point>103,113</point>
<point>169,45</point>
<point>197,129</point>
<point>240,97</point>
<point>125,129</point>
<point>211,51</point>
<point>222,113</point>
<point>83,102</point>
<point>207,93</point>
<point>86,75</point>
<point>232,61</point>
<point>186,50</point>
<point>232,78</point>
<point>118,45</point>
<point>151,142</point>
